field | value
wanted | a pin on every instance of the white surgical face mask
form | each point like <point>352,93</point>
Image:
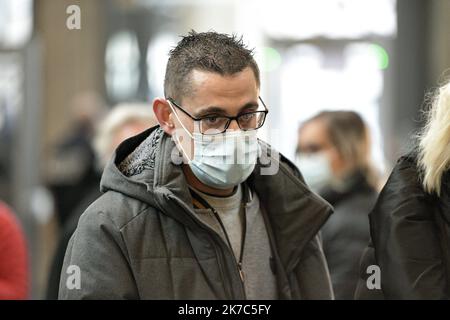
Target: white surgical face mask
<point>316,170</point>
<point>223,160</point>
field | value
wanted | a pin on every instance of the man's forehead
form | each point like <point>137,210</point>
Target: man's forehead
<point>212,89</point>
<point>213,80</point>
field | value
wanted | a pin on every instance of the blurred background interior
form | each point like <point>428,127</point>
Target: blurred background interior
<point>375,57</point>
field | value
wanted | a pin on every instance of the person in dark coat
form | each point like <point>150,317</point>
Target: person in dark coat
<point>72,172</point>
<point>198,207</point>
<point>333,154</point>
<point>410,223</point>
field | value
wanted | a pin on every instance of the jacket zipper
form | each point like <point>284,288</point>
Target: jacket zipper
<point>238,265</point>
<point>220,252</point>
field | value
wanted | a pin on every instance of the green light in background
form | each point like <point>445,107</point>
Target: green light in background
<point>272,59</point>
<point>383,56</point>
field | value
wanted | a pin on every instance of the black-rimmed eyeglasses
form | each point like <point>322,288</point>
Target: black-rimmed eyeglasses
<point>210,125</point>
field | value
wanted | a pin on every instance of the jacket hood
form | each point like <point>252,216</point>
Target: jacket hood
<point>141,168</point>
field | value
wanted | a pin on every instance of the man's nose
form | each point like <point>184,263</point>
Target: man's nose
<point>233,125</point>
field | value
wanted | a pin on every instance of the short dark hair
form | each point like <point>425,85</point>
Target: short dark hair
<point>207,51</point>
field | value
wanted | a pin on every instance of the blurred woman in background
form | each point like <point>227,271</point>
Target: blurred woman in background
<point>333,155</point>
<point>410,222</point>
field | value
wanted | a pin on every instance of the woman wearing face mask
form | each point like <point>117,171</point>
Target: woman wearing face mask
<point>333,156</point>
<point>410,223</point>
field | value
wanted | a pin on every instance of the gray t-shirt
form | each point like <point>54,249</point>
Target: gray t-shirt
<point>259,280</point>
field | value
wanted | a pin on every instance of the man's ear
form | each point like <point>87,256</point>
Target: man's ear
<point>162,111</point>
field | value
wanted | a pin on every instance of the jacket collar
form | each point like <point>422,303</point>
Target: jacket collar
<point>295,213</point>
<point>445,196</point>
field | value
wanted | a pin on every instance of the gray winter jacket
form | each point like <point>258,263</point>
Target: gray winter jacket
<point>142,240</point>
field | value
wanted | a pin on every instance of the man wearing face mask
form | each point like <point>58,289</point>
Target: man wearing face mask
<point>334,158</point>
<point>188,211</point>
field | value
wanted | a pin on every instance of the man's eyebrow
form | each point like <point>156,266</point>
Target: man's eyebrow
<point>210,110</point>
<point>249,106</point>
<point>220,111</point>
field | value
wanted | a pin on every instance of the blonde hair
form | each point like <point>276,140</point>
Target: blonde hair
<point>118,117</point>
<point>434,142</point>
